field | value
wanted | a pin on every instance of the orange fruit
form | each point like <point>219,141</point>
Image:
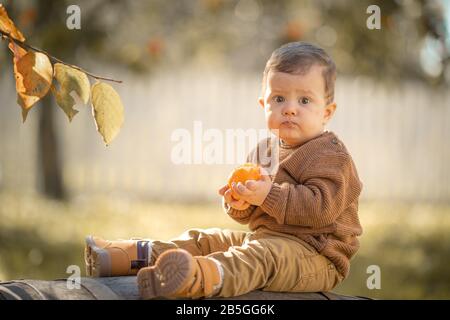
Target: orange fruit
<point>247,171</point>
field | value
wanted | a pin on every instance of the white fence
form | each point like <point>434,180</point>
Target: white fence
<point>398,136</point>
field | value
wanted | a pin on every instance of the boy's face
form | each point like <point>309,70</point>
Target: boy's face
<point>296,105</point>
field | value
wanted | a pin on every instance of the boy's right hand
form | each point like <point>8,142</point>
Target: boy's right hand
<point>225,191</point>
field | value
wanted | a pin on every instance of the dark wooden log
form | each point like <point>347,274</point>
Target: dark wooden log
<point>124,288</point>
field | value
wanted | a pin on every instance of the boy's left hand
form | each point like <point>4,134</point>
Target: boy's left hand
<point>254,191</point>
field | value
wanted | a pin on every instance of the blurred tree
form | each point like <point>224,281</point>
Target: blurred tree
<point>44,24</point>
<point>239,34</point>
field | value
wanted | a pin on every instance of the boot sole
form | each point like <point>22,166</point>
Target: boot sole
<point>172,270</point>
<point>98,260</point>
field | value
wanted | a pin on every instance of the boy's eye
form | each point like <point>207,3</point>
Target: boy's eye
<point>279,99</point>
<point>304,100</point>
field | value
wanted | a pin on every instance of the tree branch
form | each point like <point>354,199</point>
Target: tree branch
<point>23,45</point>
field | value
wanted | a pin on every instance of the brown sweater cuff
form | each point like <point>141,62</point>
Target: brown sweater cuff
<point>273,204</point>
<point>238,214</point>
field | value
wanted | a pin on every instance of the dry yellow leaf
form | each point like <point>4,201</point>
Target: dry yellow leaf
<point>34,73</point>
<point>107,109</point>
<point>7,25</point>
<point>17,51</point>
<point>70,80</point>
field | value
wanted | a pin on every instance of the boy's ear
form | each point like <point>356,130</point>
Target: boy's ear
<point>261,101</point>
<point>329,112</point>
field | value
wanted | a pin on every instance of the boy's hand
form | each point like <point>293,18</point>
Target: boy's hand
<point>254,192</point>
<point>241,204</point>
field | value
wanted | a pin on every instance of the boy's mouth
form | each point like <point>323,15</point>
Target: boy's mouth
<point>289,123</point>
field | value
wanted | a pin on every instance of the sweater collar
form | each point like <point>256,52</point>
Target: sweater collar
<point>301,155</point>
<point>284,145</point>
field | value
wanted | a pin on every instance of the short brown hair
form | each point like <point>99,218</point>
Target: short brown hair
<point>297,58</point>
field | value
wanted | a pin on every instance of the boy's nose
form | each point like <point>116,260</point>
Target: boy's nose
<point>289,110</point>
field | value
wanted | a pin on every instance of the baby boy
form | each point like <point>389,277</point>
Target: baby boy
<point>303,219</point>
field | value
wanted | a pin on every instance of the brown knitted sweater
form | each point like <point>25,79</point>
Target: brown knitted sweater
<point>314,197</point>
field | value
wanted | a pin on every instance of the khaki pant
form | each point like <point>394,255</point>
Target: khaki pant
<point>265,260</point>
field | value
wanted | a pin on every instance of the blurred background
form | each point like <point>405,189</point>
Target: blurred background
<point>202,60</point>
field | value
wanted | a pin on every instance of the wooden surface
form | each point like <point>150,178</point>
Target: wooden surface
<point>123,288</point>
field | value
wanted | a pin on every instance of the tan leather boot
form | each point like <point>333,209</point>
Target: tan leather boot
<point>106,258</point>
<point>177,274</point>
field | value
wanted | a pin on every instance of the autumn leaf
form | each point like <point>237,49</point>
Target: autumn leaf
<point>70,80</point>
<point>34,73</point>
<point>18,52</point>
<point>7,25</point>
<point>107,110</point>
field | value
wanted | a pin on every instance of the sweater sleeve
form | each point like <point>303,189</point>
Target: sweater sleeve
<point>330,185</point>
<point>241,216</point>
